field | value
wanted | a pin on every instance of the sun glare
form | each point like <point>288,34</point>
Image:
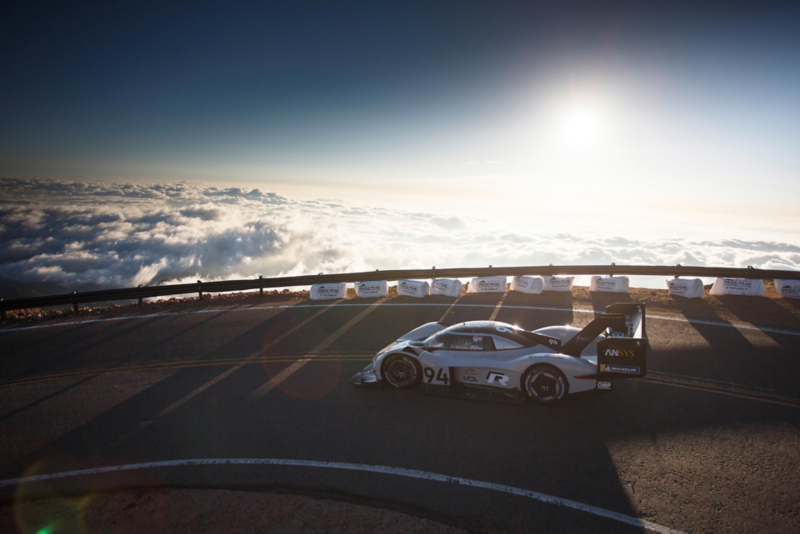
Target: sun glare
<point>579,128</point>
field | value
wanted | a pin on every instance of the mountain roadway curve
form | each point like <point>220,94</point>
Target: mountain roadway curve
<point>709,441</point>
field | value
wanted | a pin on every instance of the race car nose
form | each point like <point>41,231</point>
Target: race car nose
<point>365,377</point>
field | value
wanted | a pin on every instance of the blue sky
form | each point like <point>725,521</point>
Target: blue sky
<point>387,93</point>
<point>145,142</point>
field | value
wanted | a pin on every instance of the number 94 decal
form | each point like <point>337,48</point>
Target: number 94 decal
<point>440,377</point>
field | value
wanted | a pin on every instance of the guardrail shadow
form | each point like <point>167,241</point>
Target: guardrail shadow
<point>578,451</point>
<point>760,310</point>
<point>100,435</point>
<point>730,353</point>
<point>94,348</point>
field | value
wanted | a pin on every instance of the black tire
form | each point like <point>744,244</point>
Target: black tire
<point>545,384</point>
<point>401,371</point>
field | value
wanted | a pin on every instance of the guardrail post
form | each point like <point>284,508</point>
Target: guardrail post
<point>75,306</point>
<point>3,311</point>
<point>200,289</point>
<point>260,287</point>
<point>140,298</point>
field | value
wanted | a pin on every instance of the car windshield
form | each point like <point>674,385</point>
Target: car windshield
<point>437,340</point>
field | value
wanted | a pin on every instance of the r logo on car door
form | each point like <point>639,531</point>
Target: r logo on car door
<point>500,378</point>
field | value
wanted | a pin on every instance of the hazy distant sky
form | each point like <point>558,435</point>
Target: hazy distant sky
<point>601,96</point>
<point>146,142</point>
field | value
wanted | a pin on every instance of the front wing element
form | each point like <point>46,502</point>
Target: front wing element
<point>366,376</point>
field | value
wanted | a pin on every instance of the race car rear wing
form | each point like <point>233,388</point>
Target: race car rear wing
<point>623,352</point>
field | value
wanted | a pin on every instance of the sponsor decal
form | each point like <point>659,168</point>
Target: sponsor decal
<point>737,283</point>
<point>367,289</point>
<point>603,385</point>
<point>620,353</point>
<point>503,329</point>
<point>499,378</point>
<point>605,283</point>
<point>605,368</point>
<point>468,378</point>
<point>325,290</point>
<point>584,338</point>
<point>470,371</point>
<point>488,284</point>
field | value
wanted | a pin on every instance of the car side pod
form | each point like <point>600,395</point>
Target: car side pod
<point>365,377</point>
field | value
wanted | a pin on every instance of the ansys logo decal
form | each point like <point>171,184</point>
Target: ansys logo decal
<point>620,353</point>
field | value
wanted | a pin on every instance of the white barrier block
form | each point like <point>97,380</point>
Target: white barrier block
<point>691,288</point>
<point>610,284</point>
<point>328,291</point>
<point>527,284</point>
<point>738,286</point>
<point>488,284</point>
<point>372,289</point>
<point>789,289</point>
<point>413,288</point>
<point>448,287</point>
<point>558,283</point>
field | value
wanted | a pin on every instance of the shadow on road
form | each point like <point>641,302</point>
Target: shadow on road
<point>566,451</point>
<point>761,310</point>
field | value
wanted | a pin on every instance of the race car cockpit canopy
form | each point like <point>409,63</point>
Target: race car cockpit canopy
<point>515,334</point>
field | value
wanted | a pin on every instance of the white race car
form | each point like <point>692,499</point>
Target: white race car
<point>490,359</point>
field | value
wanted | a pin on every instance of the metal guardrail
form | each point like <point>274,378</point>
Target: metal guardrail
<point>138,293</point>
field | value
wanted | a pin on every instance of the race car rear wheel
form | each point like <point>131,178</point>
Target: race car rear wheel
<point>545,384</point>
<point>401,371</point>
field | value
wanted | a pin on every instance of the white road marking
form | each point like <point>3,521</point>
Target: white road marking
<point>213,381</point>
<point>283,375</point>
<point>447,312</point>
<point>493,316</point>
<point>738,326</point>
<point>380,469</point>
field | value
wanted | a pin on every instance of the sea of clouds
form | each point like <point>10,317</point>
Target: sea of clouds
<point>93,235</point>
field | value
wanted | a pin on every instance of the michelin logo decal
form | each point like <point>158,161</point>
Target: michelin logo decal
<point>604,368</point>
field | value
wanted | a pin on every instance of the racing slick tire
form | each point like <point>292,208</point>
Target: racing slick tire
<point>545,384</point>
<point>401,371</point>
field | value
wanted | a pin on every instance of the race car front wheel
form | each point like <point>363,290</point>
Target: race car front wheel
<point>545,384</point>
<point>401,371</point>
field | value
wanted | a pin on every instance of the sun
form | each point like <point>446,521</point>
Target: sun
<point>579,128</point>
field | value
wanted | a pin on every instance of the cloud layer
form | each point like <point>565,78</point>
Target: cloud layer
<point>86,236</point>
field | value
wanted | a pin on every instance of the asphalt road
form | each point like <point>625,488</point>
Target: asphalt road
<point>709,442</point>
